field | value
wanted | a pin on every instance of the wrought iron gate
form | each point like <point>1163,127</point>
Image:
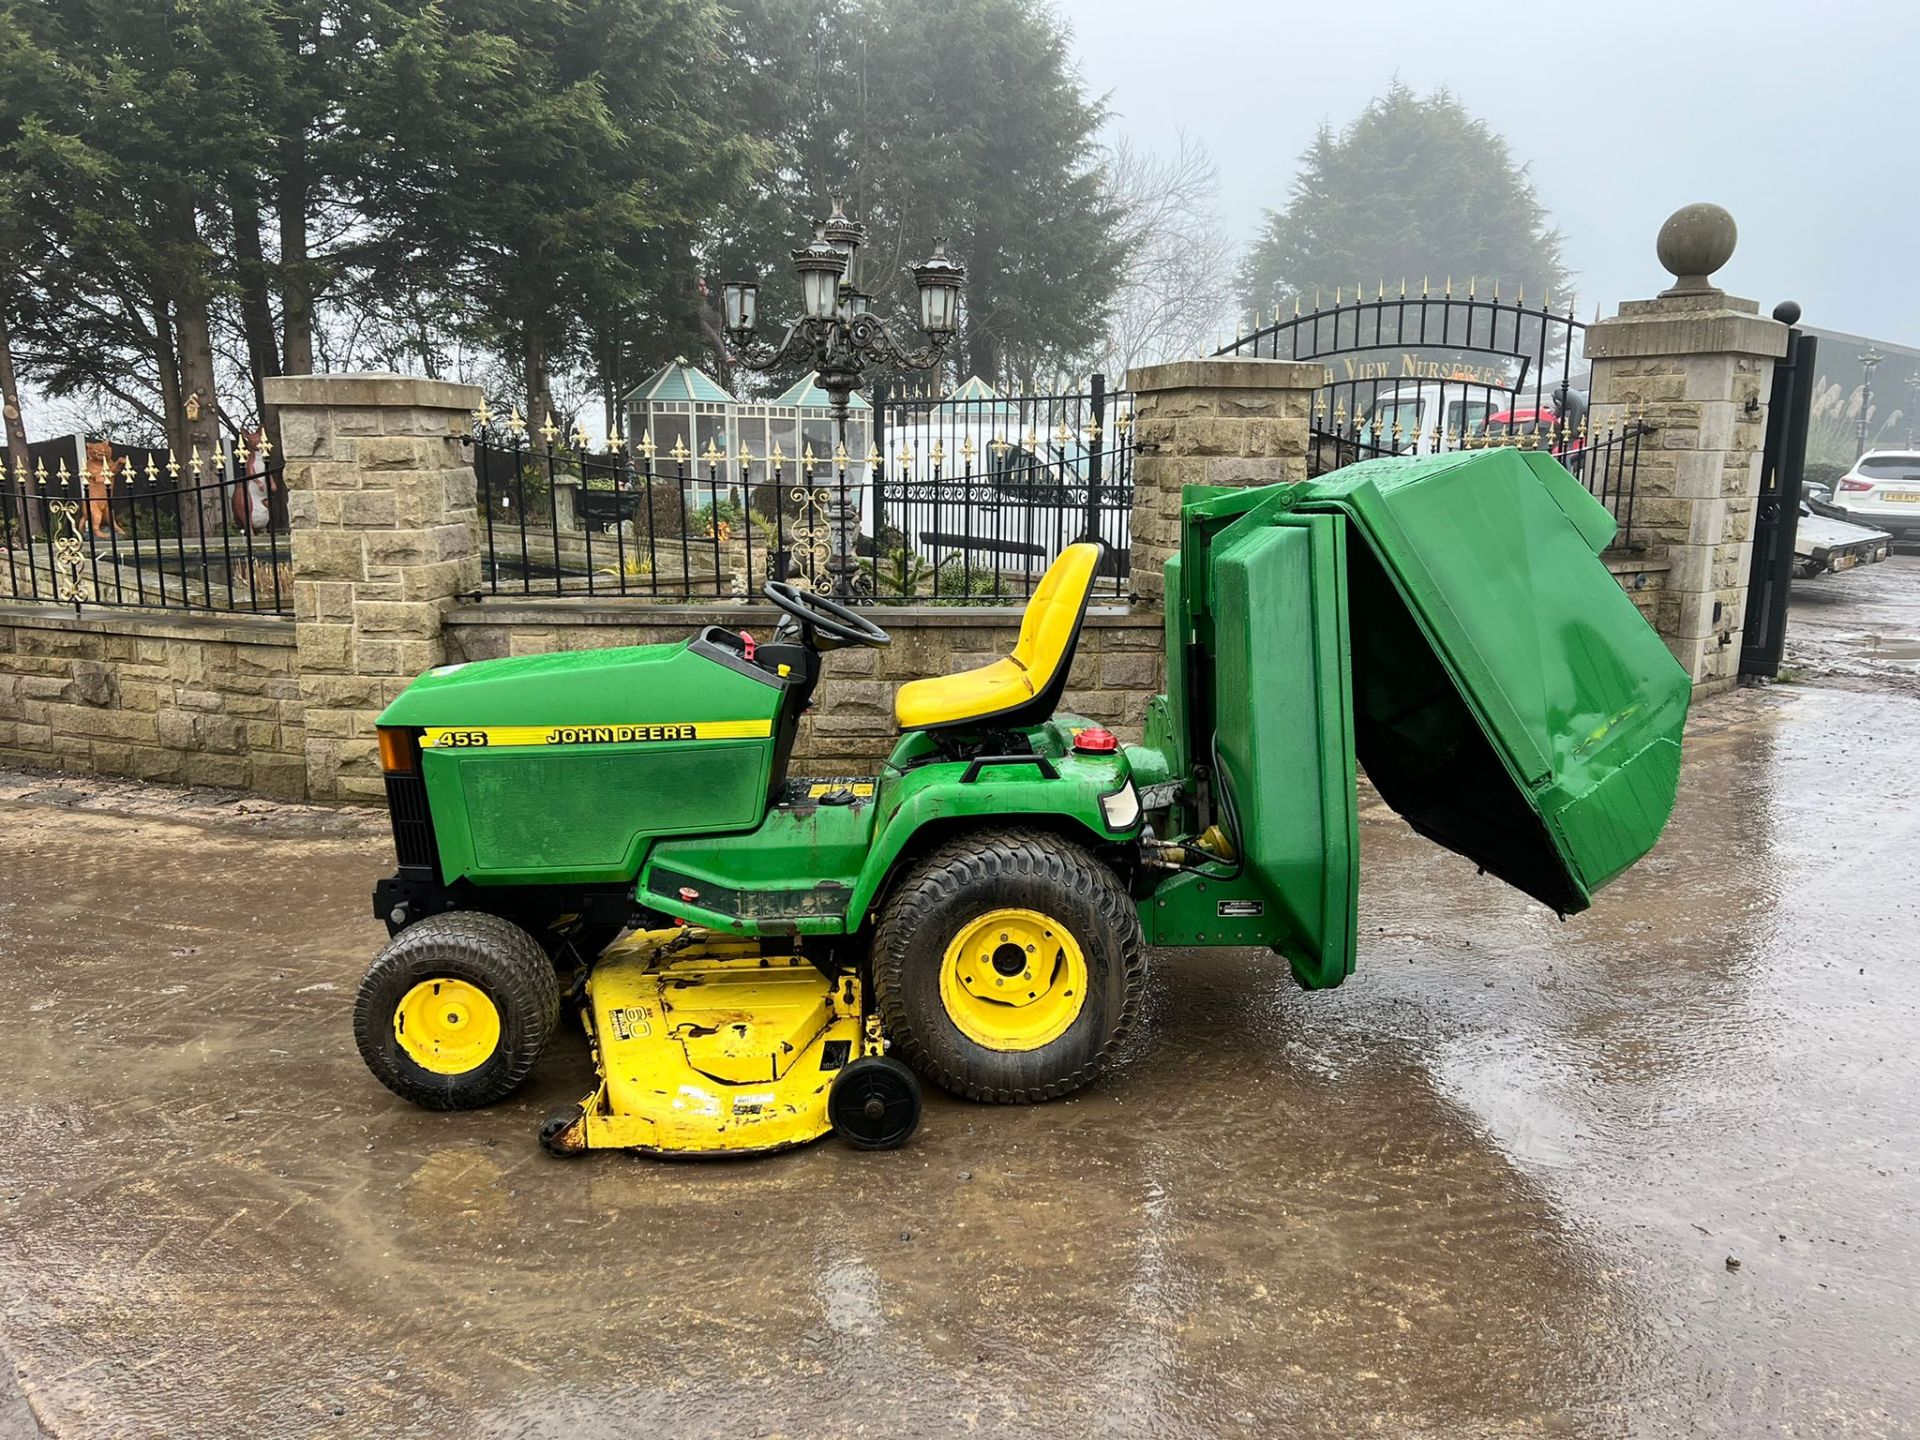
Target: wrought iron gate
<point>1424,373</point>
<point>1776,516</point>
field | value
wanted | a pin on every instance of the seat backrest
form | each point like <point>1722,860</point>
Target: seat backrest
<point>1051,624</point>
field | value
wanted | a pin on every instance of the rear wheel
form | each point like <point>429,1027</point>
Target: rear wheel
<point>1008,966</point>
<point>456,1010</point>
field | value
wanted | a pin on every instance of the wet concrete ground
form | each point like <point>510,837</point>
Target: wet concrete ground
<point>1861,628</point>
<point>1497,1184</point>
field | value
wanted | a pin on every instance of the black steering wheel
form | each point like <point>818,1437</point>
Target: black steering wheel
<point>816,614</point>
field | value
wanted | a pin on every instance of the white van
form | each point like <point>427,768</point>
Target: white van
<point>1408,419</point>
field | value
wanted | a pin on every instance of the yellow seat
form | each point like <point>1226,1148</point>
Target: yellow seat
<point>1029,679</point>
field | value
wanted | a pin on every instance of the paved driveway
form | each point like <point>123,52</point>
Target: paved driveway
<point>1649,1172</point>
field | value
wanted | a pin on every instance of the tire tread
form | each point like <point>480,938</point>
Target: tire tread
<point>977,860</point>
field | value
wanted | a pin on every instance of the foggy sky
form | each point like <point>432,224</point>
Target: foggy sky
<point>1802,119</point>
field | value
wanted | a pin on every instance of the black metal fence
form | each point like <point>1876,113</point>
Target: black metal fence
<point>158,534</point>
<point>1426,373</point>
<point>956,501</point>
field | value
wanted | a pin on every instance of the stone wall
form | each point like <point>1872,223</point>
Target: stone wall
<point>196,700</point>
<point>1210,422</point>
<point>1117,667</point>
<point>1699,368</point>
<point>380,493</point>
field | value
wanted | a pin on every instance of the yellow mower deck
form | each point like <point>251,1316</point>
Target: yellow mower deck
<point>705,1046</point>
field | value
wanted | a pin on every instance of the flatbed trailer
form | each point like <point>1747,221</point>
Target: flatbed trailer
<point>1823,545</point>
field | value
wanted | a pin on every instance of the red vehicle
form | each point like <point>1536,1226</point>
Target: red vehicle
<point>1540,428</point>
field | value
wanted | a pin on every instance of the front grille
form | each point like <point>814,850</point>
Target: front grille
<point>412,822</point>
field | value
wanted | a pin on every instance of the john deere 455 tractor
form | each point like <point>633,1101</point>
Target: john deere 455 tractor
<point>755,955</point>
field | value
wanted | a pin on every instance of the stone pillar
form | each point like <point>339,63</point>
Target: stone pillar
<point>1227,421</point>
<point>1697,365</point>
<point>381,497</point>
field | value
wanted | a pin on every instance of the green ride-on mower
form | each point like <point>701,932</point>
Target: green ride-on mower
<point>759,958</point>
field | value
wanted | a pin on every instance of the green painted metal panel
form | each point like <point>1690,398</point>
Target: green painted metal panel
<point>1510,701</point>
<point>1285,730</point>
<point>794,873</point>
<point>509,809</point>
<point>930,797</point>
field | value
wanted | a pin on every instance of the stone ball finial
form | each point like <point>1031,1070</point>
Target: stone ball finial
<point>1696,241</point>
<point>1787,312</point>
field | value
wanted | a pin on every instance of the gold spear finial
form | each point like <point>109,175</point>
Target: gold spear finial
<point>614,441</point>
<point>549,431</point>
<point>483,414</point>
<point>679,451</point>
<point>967,451</point>
<point>807,456</point>
<point>516,423</point>
<point>938,454</point>
<point>777,457</point>
<point>839,455</point>
<point>999,446</point>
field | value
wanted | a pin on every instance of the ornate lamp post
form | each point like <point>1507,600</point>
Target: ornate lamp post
<point>838,336</point>
<point>1868,362</point>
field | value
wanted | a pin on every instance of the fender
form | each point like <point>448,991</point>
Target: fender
<point>939,797</point>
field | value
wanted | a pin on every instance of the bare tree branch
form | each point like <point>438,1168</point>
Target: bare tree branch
<point>1178,289</point>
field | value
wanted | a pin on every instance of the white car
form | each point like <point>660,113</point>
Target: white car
<point>1881,490</point>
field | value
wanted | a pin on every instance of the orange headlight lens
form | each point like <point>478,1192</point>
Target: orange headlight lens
<point>398,754</point>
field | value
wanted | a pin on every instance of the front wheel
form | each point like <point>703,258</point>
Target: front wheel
<point>1008,966</point>
<point>455,1011</point>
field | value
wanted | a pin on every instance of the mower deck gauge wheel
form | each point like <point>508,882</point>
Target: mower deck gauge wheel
<point>874,1103</point>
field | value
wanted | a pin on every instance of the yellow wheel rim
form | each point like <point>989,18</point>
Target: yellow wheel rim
<point>1013,980</point>
<point>447,1026</point>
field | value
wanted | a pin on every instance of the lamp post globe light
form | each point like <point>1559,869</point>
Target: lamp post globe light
<point>838,336</point>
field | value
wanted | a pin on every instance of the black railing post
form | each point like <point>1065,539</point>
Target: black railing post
<point>1097,438</point>
<point>877,474</point>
